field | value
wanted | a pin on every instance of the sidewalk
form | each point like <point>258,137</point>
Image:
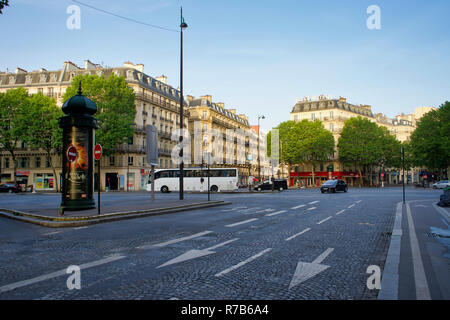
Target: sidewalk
<point>111,210</point>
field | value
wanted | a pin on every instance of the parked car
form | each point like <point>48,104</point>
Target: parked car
<point>9,187</point>
<point>441,184</point>
<point>279,184</point>
<point>333,186</point>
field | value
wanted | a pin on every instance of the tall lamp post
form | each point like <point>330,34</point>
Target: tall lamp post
<point>183,25</point>
<point>259,159</point>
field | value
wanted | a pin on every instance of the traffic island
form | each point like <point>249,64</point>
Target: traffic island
<point>47,218</point>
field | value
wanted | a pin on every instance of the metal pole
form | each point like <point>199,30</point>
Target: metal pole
<point>403,165</point>
<point>153,182</point>
<point>98,185</point>
<point>259,163</point>
<point>181,106</point>
<point>128,162</point>
<point>209,190</point>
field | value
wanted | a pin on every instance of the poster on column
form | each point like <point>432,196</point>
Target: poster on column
<point>76,161</point>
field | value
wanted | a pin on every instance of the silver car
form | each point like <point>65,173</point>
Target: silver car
<point>441,184</point>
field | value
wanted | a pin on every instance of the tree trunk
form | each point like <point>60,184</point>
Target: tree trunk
<point>313,175</point>
<point>14,165</point>
<point>53,169</point>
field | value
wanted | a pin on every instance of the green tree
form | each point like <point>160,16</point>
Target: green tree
<point>360,144</point>
<point>430,141</point>
<point>115,107</point>
<point>3,3</point>
<point>43,130</point>
<point>13,121</point>
<point>303,142</point>
<point>317,144</point>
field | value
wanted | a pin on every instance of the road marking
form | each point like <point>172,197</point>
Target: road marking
<point>241,222</point>
<point>265,210</point>
<point>240,264</point>
<point>351,206</point>
<point>193,254</point>
<point>275,213</point>
<point>313,202</point>
<point>298,234</point>
<point>312,208</point>
<point>233,209</point>
<point>300,206</point>
<point>389,279</point>
<point>422,291</point>
<point>320,222</point>
<point>250,209</point>
<point>23,283</point>
<point>307,270</point>
<point>78,228</point>
<point>358,201</point>
<point>338,213</point>
<point>163,244</point>
<point>50,233</point>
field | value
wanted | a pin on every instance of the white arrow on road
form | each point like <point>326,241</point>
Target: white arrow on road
<point>193,254</point>
<point>307,270</point>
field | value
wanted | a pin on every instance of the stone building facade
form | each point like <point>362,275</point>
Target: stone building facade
<point>157,103</point>
<point>333,112</point>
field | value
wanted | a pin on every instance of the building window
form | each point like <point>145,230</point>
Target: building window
<point>331,115</point>
<point>130,161</point>
<point>111,160</point>
<point>24,162</point>
<point>205,114</point>
<point>37,162</point>
<point>130,140</point>
<point>6,162</point>
<point>47,162</point>
<point>331,127</point>
<point>205,127</point>
<point>313,116</point>
<point>295,118</point>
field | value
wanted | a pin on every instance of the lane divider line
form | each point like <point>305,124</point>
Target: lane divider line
<point>313,202</point>
<point>338,213</point>
<point>326,219</point>
<point>275,213</point>
<point>240,264</point>
<point>312,208</point>
<point>166,243</point>
<point>241,222</point>
<point>298,234</point>
<point>300,206</point>
<point>48,276</point>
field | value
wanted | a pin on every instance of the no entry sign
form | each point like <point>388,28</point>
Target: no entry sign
<point>72,153</point>
<point>97,151</point>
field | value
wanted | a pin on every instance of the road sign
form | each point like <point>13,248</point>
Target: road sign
<point>72,153</point>
<point>151,145</point>
<point>382,174</point>
<point>97,151</point>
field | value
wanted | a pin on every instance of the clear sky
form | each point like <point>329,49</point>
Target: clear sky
<point>258,57</point>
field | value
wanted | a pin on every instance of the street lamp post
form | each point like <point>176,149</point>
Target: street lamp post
<point>259,160</point>
<point>183,25</point>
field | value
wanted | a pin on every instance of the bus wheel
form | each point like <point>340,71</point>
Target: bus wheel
<point>164,189</point>
<point>214,188</point>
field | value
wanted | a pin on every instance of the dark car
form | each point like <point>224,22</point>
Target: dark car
<point>333,186</point>
<point>9,187</point>
<point>279,184</point>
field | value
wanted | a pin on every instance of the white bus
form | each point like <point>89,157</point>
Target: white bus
<point>221,179</point>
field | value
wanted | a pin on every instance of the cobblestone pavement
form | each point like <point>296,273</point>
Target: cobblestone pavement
<point>250,249</point>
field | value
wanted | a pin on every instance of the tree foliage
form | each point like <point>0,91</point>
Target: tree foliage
<point>430,142</point>
<point>303,142</point>
<point>3,3</point>
<point>42,129</point>
<point>13,121</point>
<point>115,107</point>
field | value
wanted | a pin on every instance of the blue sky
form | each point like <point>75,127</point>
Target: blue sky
<point>258,57</point>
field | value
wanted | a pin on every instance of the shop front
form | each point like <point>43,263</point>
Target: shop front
<point>44,181</point>
<point>305,179</point>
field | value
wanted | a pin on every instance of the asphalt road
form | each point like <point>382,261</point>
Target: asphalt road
<point>298,244</point>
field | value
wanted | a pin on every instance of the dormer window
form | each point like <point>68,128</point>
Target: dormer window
<point>28,79</point>
<point>53,77</point>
